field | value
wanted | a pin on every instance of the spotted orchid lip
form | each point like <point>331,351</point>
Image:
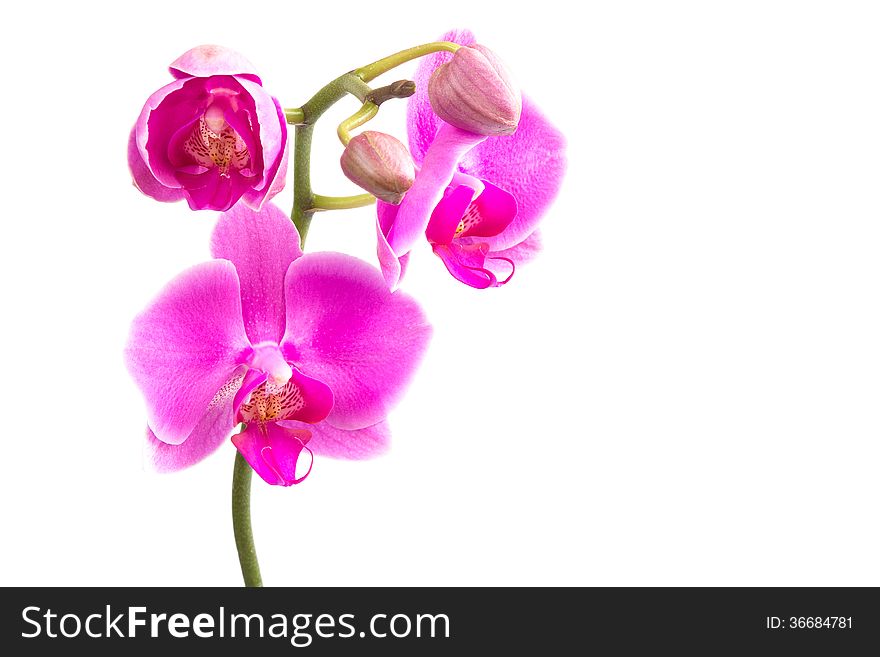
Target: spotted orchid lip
<point>301,398</point>
<point>214,143</point>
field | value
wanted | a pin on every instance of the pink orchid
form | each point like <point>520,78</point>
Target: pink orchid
<point>213,136</point>
<point>300,348</point>
<point>476,199</point>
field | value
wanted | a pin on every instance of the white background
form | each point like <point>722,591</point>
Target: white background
<point>683,389</point>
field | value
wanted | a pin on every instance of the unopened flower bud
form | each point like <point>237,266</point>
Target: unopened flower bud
<point>475,92</point>
<point>380,164</point>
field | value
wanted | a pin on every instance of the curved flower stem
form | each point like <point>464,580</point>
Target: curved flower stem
<point>370,108</point>
<point>303,199</point>
<point>377,68</point>
<point>342,202</point>
<point>241,522</point>
<point>367,111</point>
<point>306,116</point>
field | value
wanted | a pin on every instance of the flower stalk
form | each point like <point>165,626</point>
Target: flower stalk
<point>367,111</point>
<point>294,115</point>
<point>342,202</point>
<point>241,522</point>
<point>377,68</point>
<point>355,84</point>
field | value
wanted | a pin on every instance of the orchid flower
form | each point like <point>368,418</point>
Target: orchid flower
<point>299,348</point>
<point>212,137</point>
<point>477,199</point>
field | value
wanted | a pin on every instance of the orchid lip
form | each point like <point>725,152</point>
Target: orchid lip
<point>269,402</point>
<point>274,452</point>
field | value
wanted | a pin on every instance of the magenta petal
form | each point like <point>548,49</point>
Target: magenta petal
<point>212,191</point>
<point>272,129</point>
<point>393,268</point>
<point>211,432</point>
<point>261,245</point>
<point>346,329</point>
<point>317,398</point>
<point>208,60</point>
<point>242,121</point>
<point>186,345</point>
<point>503,263</point>
<point>467,263</point>
<point>180,104</point>
<point>496,210</point>
<point>143,178</point>
<point>253,379</point>
<point>529,164</point>
<point>521,253</point>
<point>273,451</point>
<point>422,122</point>
<point>448,213</point>
<point>441,162</point>
<point>358,444</point>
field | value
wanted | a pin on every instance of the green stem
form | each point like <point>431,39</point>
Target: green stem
<point>302,211</point>
<point>367,111</point>
<point>342,202</point>
<point>241,522</point>
<point>294,115</point>
<point>377,68</point>
<point>303,199</point>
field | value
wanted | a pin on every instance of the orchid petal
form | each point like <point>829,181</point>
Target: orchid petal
<point>317,398</point>
<point>261,245</point>
<point>521,253</point>
<point>253,379</point>
<point>393,268</point>
<point>467,263</point>
<point>211,432</point>
<point>448,213</point>
<point>181,102</point>
<point>494,210</point>
<point>358,444</point>
<point>212,191</point>
<point>186,345</point>
<point>143,178</point>
<point>346,329</point>
<point>204,61</point>
<point>529,164</point>
<point>392,271</point>
<point>272,129</point>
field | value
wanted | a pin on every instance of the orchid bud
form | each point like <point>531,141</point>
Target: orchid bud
<point>380,164</point>
<point>475,92</point>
